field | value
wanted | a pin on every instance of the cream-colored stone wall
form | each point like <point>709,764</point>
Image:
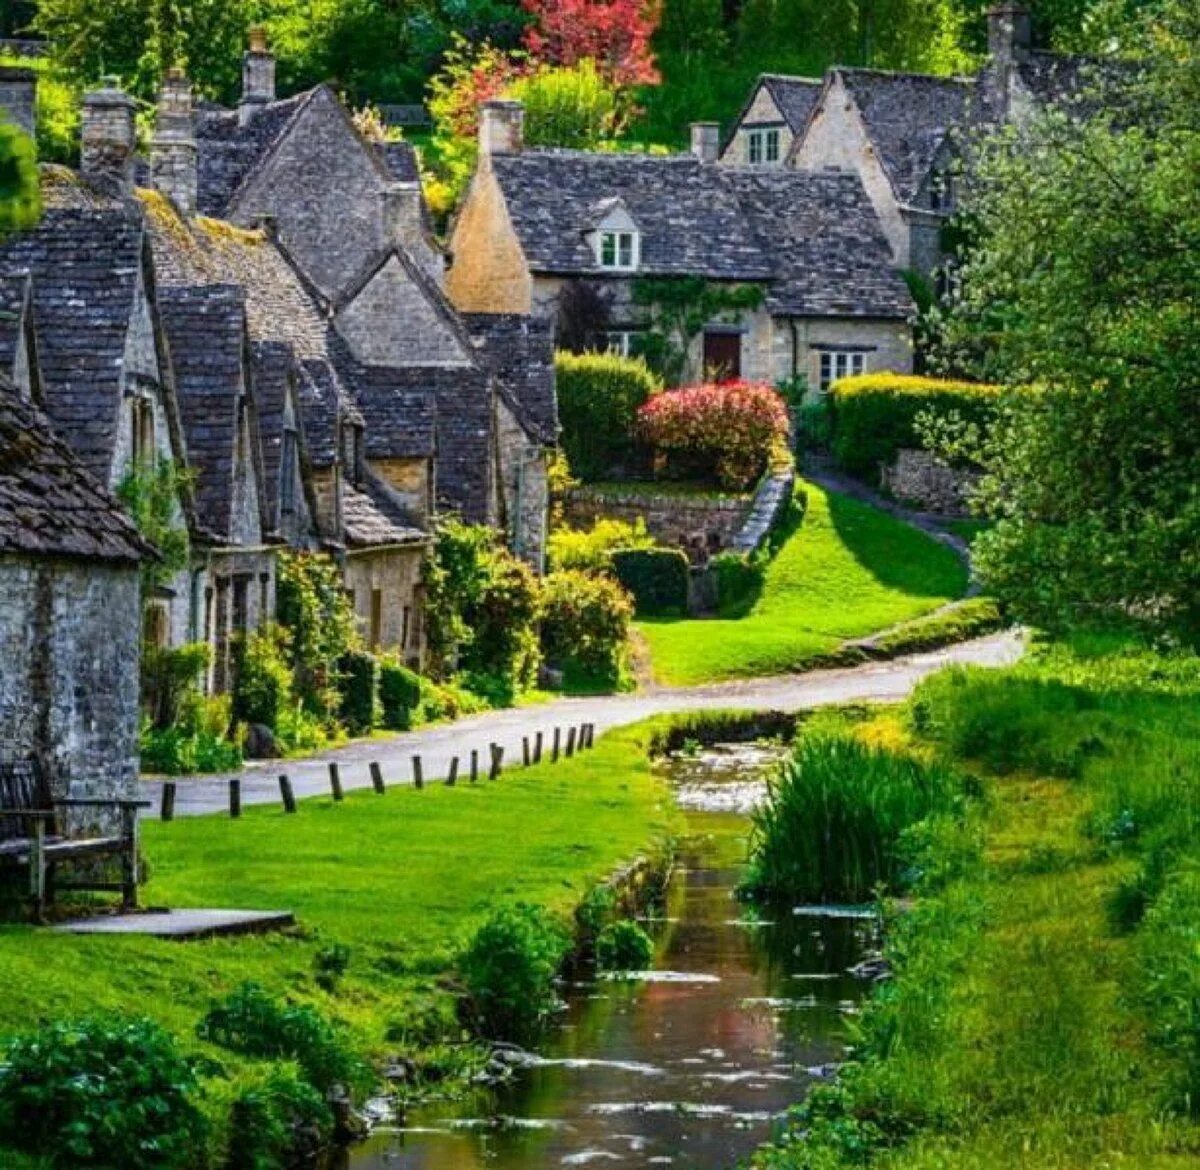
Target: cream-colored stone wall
<point>487,273</point>
<point>887,345</point>
<point>409,478</point>
<point>762,110</point>
<point>394,576</point>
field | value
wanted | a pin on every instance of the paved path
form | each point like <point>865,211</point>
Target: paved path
<point>874,682</point>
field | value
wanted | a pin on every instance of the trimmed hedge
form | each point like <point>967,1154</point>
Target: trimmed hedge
<point>356,690</point>
<point>399,696</point>
<point>657,578</point>
<point>873,415</point>
<point>585,625</point>
<point>599,395</point>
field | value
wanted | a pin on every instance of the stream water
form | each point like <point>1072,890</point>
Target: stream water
<point>688,1065</point>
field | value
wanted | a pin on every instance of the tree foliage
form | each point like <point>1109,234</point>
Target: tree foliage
<point>1083,283</point>
<point>614,35</point>
<point>20,196</point>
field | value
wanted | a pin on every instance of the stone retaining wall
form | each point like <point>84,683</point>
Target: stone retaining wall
<point>922,479</point>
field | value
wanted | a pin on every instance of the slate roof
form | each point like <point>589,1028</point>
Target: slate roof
<point>832,257</point>
<point>520,351</point>
<point>85,263</point>
<point>49,503</point>
<point>206,333</point>
<point>907,117</point>
<point>372,518</point>
<point>712,221</point>
<point>796,97</point>
<point>272,366</point>
<point>401,161</point>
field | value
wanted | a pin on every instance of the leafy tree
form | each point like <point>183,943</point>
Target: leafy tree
<point>1082,293</point>
<point>568,105</point>
<point>20,196</point>
<point>615,35</point>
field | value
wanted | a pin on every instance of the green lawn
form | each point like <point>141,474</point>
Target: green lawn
<point>401,879</point>
<point>847,571</point>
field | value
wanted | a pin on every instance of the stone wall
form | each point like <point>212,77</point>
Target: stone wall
<point>525,487</point>
<point>69,645</point>
<point>921,479</point>
<point>699,525</point>
<point>385,585</point>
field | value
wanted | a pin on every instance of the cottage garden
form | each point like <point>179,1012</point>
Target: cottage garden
<point>361,490</point>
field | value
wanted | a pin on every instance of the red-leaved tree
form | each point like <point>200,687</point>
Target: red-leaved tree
<point>615,34</point>
<point>727,430</point>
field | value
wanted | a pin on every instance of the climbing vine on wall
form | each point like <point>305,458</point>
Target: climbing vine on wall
<point>679,308</point>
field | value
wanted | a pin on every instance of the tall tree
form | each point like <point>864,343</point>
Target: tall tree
<point>614,34</point>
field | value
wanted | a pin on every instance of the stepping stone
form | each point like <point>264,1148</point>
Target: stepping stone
<point>182,924</point>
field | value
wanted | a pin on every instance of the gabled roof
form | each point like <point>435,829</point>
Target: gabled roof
<point>206,333</point>
<point>520,351</point>
<point>86,263</point>
<point>907,117</point>
<point>689,220</point>
<point>833,259</point>
<point>372,517</point>
<point>50,505</point>
<point>274,373</point>
<point>813,239</point>
<point>796,97</point>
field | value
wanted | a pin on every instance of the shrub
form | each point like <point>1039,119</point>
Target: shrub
<point>101,1092</point>
<point>399,695</point>
<point>252,1022</point>
<point>599,396</point>
<point>569,105</point>
<point>656,577</point>
<point>739,582</point>
<point>835,817</point>
<point>874,416</point>
<point>178,752</point>
<point>300,730</point>
<point>263,685</point>
<point>358,674</point>
<point>585,625</point>
<point>509,970</point>
<point>168,676</point>
<point>503,620</point>
<point>591,551</point>
<point>277,1120</point>
<point>624,946</point>
<point>729,431</point>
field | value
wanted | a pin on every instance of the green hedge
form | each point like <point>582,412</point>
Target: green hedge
<point>598,399</point>
<point>657,578</point>
<point>873,415</point>
<point>399,696</point>
<point>357,677</point>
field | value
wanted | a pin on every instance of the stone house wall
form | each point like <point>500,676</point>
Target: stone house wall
<point>524,487</point>
<point>762,110</point>
<point>69,644</point>
<point>385,585</point>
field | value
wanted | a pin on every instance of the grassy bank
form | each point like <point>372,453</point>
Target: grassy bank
<point>1044,1009</point>
<point>401,881</point>
<point>846,571</point>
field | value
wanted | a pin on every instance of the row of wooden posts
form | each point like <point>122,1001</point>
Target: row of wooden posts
<point>561,746</point>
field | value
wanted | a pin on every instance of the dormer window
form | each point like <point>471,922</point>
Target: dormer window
<point>762,147</point>
<point>619,250</point>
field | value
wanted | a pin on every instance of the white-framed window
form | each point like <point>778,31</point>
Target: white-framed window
<point>841,363</point>
<point>623,342</point>
<point>618,250</point>
<point>762,147</point>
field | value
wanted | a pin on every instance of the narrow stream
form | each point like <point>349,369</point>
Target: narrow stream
<point>688,1066</point>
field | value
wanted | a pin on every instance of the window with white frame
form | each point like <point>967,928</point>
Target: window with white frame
<point>618,250</point>
<point>841,363</point>
<point>622,342</point>
<point>762,147</point>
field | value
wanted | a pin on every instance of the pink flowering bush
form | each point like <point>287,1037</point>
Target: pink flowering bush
<point>727,431</point>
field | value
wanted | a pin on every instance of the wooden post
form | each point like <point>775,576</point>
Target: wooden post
<point>168,800</point>
<point>377,778</point>
<point>289,797</point>
<point>452,775</point>
<point>570,741</point>
<point>583,736</point>
<point>474,765</point>
<point>556,747</point>
<point>537,748</point>
<point>591,728</point>
<point>235,798</point>
<point>497,761</point>
<point>335,782</point>
<point>37,869</point>
<point>418,774</point>
<point>525,750</point>
<point>129,857</point>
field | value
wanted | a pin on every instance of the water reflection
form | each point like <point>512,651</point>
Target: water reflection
<point>688,1066</point>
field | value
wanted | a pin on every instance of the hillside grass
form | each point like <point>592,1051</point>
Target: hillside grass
<point>401,879</point>
<point>846,571</point>
<point>1042,1013</point>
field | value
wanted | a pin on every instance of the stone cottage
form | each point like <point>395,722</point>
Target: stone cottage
<point>69,632</point>
<point>902,133</point>
<point>538,224</point>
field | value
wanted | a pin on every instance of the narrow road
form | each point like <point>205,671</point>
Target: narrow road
<point>874,682</point>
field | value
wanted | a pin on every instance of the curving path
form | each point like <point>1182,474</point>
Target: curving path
<point>873,682</point>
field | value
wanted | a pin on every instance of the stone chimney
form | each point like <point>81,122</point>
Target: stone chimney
<point>501,127</point>
<point>258,75</point>
<point>18,97</point>
<point>706,141</point>
<point>108,138</point>
<point>404,224</point>
<point>1010,32</point>
<point>173,150</point>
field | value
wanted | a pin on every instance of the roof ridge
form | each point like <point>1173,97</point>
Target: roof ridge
<point>960,79</point>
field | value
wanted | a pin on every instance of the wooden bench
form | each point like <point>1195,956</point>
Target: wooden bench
<point>32,834</point>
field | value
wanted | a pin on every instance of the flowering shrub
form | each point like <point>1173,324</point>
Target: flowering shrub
<point>591,551</point>
<point>727,430</point>
<point>585,625</point>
